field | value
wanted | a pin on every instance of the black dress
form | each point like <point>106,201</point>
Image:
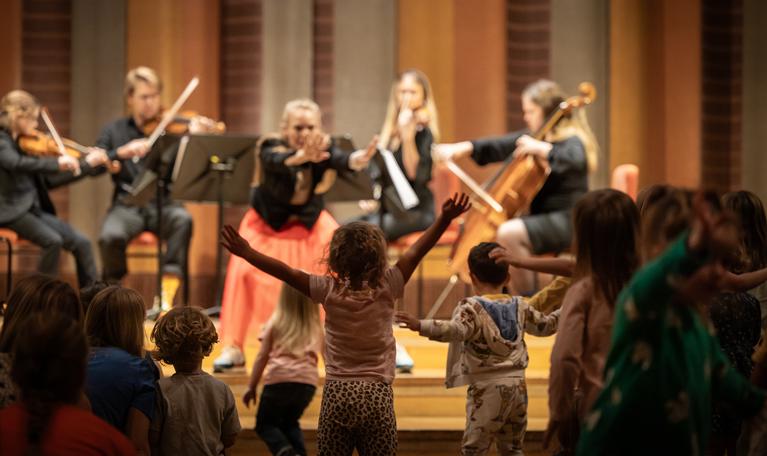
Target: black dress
<point>549,223</point>
<point>396,224</point>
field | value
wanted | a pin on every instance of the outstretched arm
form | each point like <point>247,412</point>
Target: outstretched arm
<point>451,209</point>
<point>745,281</point>
<point>555,266</point>
<point>238,246</point>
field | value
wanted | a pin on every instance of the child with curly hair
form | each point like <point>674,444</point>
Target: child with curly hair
<point>196,413</point>
<point>358,296</point>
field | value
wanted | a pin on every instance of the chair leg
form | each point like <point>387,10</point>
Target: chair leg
<point>9,272</point>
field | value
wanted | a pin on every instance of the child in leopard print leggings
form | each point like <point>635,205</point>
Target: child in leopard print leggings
<point>358,296</point>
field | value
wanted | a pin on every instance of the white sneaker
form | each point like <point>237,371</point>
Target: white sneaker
<point>404,362</point>
<point>230,357</point>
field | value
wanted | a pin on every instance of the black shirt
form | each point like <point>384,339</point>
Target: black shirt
<point>114,135</point>
<point>567,182</point>
<point>423,142</point>
<point>271,199</point>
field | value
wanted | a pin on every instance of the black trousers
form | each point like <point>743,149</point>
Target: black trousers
<point>279,410</point>
<point>123,223</point>
<point>53,234</point>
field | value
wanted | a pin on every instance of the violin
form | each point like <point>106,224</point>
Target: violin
<point>506,194</point>
<point>43,145</point>
<point>179,123</point>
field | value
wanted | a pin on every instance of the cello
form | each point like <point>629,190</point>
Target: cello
<point>504,196</point>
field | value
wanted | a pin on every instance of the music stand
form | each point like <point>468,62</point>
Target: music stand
<point>342,199</point>
<point>153,181</point>
<point>217,169</point>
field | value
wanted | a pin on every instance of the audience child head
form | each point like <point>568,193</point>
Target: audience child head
<point>33,294</point>
<point>116,319</point>
<point>357,255</point>
<point>486,274</point>
<point>747,207</point>
<point>295,322</point>
<point>89,292</point>
<point>49,368</point>
<point>184,336</point>
<point>663,220</point>
<point>606,238</point>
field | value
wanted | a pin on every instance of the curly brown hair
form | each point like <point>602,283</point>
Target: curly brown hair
<point>357,254</point>
<point>183,333</point>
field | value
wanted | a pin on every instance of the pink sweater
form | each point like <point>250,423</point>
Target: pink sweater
<point>285,367</point>
<point>580,350</point>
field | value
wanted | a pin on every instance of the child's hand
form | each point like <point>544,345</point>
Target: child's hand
<point>405,320</point>
<point>248,397</point>
<point>455,206</point>
<point>502,256</point>
<point>233,242</point>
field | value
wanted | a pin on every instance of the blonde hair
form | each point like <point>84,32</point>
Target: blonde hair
<point>183,333</point>
<point>389,127</point>
<point>295,323</point>
<point>298,104</point>
<point>15,104</point>
<point>141,74</point>
<point>548,95</point>
<point>115,318</point>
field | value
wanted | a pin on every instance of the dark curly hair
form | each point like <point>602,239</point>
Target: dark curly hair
<point>484,268</point>
<point>184,333</point>
<point>357,254</point>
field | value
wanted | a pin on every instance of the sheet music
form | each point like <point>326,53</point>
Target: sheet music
<point>404,190</point>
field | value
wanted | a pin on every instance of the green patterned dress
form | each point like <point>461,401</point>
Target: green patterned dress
<point>663,370</point>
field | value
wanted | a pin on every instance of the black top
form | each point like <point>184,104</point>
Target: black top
<point>423,142</point>
<point>114,135</point>
<point>271,199</point>
<point>567,182</point>
<point>25,180</point>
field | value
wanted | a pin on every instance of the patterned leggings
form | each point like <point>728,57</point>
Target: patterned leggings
<point>495,410</point>
<point>357,414</point>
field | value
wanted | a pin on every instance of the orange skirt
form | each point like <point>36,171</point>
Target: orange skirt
<point>250,295</point>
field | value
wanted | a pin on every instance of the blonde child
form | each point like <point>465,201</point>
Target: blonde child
<point>358,296</point>
<point>488,353</point>
<point>195,413</point>
<point>290,345</point>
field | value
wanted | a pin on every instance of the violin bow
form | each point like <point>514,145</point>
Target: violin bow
<point>52,130</point>
<point>171,113</point>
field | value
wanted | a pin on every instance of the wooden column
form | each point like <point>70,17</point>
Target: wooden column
<point>754,96</point>
<point>10,46</point>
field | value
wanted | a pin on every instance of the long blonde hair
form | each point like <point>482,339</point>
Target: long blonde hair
<point>548,95</point>
<point>295,322</point>
<point>389,127</point>
<point>15,104</point>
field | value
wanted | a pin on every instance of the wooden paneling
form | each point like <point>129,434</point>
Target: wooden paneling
<point>754,96</point>
<point>322,59</point>
<point>10,46</point>
<point>241,58</point>
<point>722,93</point>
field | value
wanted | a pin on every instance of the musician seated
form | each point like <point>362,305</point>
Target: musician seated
<point>287,221</point>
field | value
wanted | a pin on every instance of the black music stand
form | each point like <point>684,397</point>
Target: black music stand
<point>349,188</point>
<point>153,182</point>
<point>217,169</point>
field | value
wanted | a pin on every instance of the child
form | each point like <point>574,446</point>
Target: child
<point>290,347</point>
<point>49,367</point>
<point>121,382</point>
<point>488,353</point>
<point>606,247</point>
<point>664,367</point>
<point>196,413</point>
<point>358,296</point>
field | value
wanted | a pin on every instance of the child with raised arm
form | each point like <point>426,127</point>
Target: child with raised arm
<point>488,353</point>
<point>358,295</point>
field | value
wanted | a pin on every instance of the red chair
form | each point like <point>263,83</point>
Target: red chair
<point>626,179</point>
<point>9,238</point>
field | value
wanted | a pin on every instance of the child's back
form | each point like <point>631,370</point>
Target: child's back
<point>194,411</point>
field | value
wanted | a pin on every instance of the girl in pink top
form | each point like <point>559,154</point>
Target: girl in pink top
<point>606,226</point>
<point>358,296</point>
<point>290,346</point>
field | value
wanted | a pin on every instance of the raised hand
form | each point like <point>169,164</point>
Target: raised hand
<point>233,242</point>
<point>360,159</point>
<point>503,256</point>
<point>405,320</point>
<point>455,206</point>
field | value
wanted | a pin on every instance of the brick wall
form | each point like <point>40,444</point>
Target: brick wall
<point>322,60</point>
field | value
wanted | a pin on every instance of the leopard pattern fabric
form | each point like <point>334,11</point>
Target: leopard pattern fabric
<point>357,414</point>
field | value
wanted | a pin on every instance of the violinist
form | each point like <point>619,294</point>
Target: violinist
<point>125,140</point>
<point>571,151</point>
<point>25,206</point>
<point>409,129</point>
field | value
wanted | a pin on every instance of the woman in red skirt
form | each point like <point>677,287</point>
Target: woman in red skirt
<point>287,219</point>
